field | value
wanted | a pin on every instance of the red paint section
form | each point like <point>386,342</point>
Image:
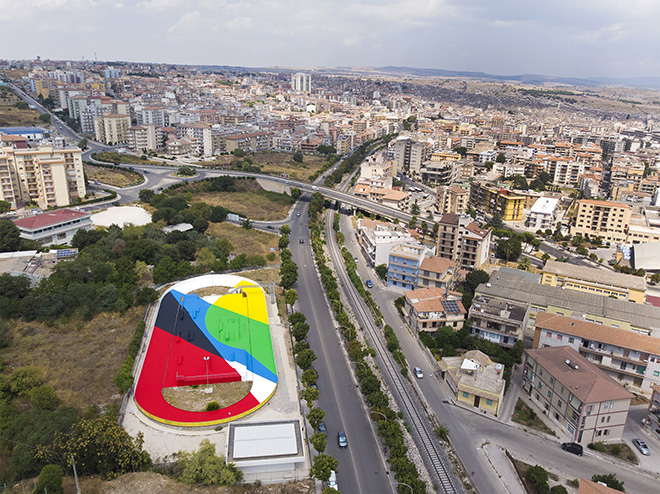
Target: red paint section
<point>655,301</point>
<point>181,363</point>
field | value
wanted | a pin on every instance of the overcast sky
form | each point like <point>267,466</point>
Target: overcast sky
<point>579,38</point>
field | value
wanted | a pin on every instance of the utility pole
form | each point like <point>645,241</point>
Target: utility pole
<point>75,475</point>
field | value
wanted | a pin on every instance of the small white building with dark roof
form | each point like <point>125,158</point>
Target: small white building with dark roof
<point>54,227</point>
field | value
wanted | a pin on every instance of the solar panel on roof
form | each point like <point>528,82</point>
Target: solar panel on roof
<point>450,306</point>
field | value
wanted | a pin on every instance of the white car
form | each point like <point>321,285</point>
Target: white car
<point>332,481</point>
<point>418,373</point>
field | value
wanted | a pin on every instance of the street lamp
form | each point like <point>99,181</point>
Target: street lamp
<point>379,413</point>
<point>403,483</point>
<point>206,361</point>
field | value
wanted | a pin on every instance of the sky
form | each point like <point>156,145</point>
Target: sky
<point>569,38</point>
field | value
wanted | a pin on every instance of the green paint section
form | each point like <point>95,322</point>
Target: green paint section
<point>238,331</point>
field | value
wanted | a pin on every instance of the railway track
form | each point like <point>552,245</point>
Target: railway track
<point>435,458</point>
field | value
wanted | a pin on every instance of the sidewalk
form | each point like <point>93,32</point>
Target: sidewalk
<point>497,458</point>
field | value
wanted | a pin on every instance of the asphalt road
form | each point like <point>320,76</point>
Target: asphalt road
<point>361,465</point>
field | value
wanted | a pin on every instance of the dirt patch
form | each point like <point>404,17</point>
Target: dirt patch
<point>112,176</point>
<point>275,163</point>
<point>10,116</point>
<point>257,205</point>
<point>150,482</point>
<point>195,398</point>
<point>207,291</point>
<point>249,242</point>
<point>79,359</point>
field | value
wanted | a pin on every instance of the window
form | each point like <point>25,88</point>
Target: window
<point>489,402</point>
<point>589,409</point>
<point>559,403</point>
<point>540,385</point>
<point>549,394</point>
<point>559,337</point>
<point>466,394</point>
<point>548,334</point>
<point>571,340</point>
<point>656,373</point>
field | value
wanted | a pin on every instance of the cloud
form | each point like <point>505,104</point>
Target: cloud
<point>189,22</point>
<point>612,32</point>
<point>352,40</point>
<point>159,5</point>
<point>237,24</point>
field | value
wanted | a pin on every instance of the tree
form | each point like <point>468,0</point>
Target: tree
<point>50,480</point>
<point>424,226</point>
<point>309,377</point>
<point>414,209</point>
<point>295,192</point>
<point>496,221</point>
<point>475,278</point>
<point>299,331</point>
<point>298,157</point>
<point>520,182</point>
<point>462,150</point>
<point>83,144</point>
<point>283,242</point>
<point>204,467</point>
<point>45,117</point>
<point>509,249</point>
<point>315,416</point>
<point>538,476</point>
<point>44,397</point>
<point>305,359</point>
<point>218,214</point>
<point>285,230</point>
<point>288,273</point>
<point>524,264</point>
<point>609,479</point>
<point>146,195</point>
<point>412,222</point>
<point>501,158</point>
<point>238,152</point>
<point>310,395</point>
<point>436,229</point>
<point>442,431</point>
<point>10,236</point>
<point>290,296</point>
<point>4,207</point>
<point>655,277</point>
<point>545,257</point>
<point>318,441</point>
<point>322,466</point>
<point>381,271</point>
<point>246,225</point>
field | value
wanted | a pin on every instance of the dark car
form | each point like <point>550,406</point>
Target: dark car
<point>574,448</point>
<point>341,439</point>
<point>322,428</point>
<point>270,227</point>
<point>302,241</point>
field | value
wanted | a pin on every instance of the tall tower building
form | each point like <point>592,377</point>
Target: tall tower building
<point>301,82</point>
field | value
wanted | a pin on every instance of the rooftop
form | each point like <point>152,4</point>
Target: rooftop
<point>49,218</point>
<point>582,378</point>
<point>595,275</point>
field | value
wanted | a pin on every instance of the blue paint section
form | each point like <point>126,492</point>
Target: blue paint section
<point>197,308</point>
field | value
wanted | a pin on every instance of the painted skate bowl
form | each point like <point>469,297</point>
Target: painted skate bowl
<point>209,339</point>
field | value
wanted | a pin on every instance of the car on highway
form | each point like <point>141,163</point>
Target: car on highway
<point>302,240</point>
<point>369,284</point>
<point>322,428</point>
<point>270,227</point>
<point>574,448</point>
<point>355,259</point>
<point>342,440</point>
<point>315,188</point>
<point>641,446</point>
<point>297,214</point>
<point>418,373</point>
<point>332,481</point>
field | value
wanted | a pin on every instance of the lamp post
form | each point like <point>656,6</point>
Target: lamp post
<point>379,413</point>
<point>409,487</point>
<point>206,361</point>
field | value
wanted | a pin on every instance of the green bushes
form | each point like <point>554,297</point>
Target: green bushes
<point>124,378</point>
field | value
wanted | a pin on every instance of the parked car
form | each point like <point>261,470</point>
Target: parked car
<point>369,284</point>
<point>342,440</point>
<point>332,481</point>
<point>418,373</point>
<point>574,448</point>
<point>302,241</point>
<point>270,227</point>
<point>322,428</point>
<point>641,446</point>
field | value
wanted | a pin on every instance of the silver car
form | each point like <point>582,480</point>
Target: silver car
<point>641,446</point>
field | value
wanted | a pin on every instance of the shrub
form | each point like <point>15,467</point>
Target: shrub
<point>212,405</point>
<point>50,480</point>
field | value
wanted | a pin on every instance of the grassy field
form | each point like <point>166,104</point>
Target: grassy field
<point>249,200</point>
<point>618,450</point>
<point>276,163</point>
<point>10,116</point>
<point>112,176</point>
<point>249,242</point>
<point>124,158</point>
<point>526,416</point>
<point>79,359</point>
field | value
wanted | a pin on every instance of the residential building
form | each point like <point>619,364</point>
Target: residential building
<point>476,381</point>
<point>427,309</point>
<point>543,214</point>
<point>112,128</point>
<point>147,137</point>
<point>376,239</point>
<point>301,82</point>
<point>564,172</point>
<point>452,199</point>
<point>511,285</point>
<point>578,397</point>
<point>632,359</point>
<point>437,272</point>
<point>490,199</point>
<point>409,155</point>
<point>608,220</point>
<point>54,227</point>
<point>594,280</point>
<point>252,142</point>
<point>199,132</point>
<point>49,176</point>
<point>179,146</point>
<point>461,240</point>
<point>499,321</point>
<point>396,199</point>
<point>412,265</point>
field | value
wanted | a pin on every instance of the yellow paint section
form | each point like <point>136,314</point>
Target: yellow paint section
<point>238,303</point>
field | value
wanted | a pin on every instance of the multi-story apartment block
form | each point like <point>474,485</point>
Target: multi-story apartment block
<point>461,240</point>
<point>452,199</point>
<point>409,155</point>
<point>437,272</point>
<point>575,394</point>
<point>412,265</point>
<point>513,286</point>
<point>112,128</point>
<point>499,321</point>
<point>491,200</point>
<point>377,239</point>
<point>199,132</point>
<point>146,137</point>
<point>440,172</point>
<point>632,359</point>
<point>152,115</point>
<point>564,172</point>
<point>543,214</point>
<point>48,176</point>
<point>252,142</point>
<point>301,82</point>
<point>608,220</point>
<point>427,309</point>
<point>598,281</point>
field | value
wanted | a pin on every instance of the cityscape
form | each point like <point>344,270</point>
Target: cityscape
<point>308,279</point>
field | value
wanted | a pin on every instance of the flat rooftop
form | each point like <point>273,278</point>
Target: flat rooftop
<point>595,275</point>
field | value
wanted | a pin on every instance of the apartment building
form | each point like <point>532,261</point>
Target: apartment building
<point>427,309</point>
<point>377,239</point>
<point>499,321</point>
<point>252,142</point>
<point>510,286</point>
<point>301,82</point>
<point>632,359</point>
<point>608,220</point>
<point>452,199</point>
<point>475,380</point>
<point>409,155</point>
<point>147,137</point>
<point>578,397</point>
<point>440,172</point>
<point>198,132</point>
<point>564,172</point>
<point>413,265</point>
<point>397,199</point>
<point>490,199</point>
<point>49,176</point>
<point>598,281</point>
<point>543,214</point>
<point>112,128</point>
<point>461,240</point>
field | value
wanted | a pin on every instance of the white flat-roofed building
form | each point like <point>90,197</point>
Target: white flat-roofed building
<point>543,214</point>
<point>54,227</point>
<point>267,451</point>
